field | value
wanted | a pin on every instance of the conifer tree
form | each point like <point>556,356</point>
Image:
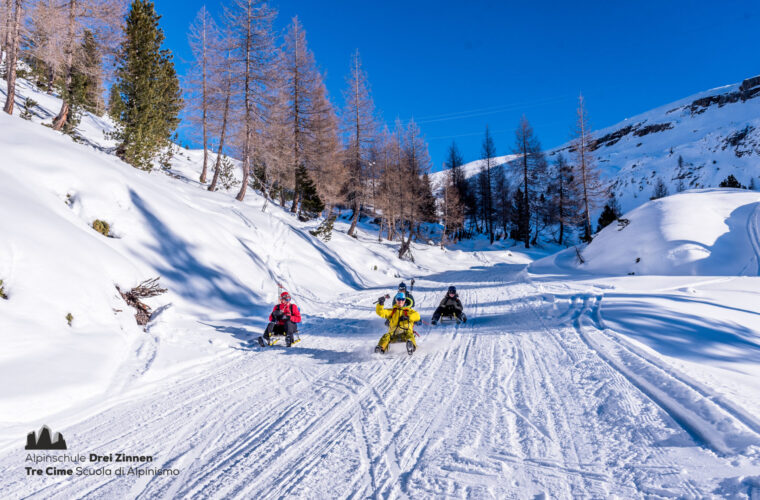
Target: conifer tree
<point>428,209</point>
<point>728,182</point>
<point>532,164</point>
<point>75,18</point>
<point>249,31</point>
<point>327,161</point>
<point>202,35</point>
<point>149,88</point>
<point>610,213</point>
<point>115,104</point>
<point>360,128</point>
<point>660,189</point>
<point>565,197</point>
<point>587,175</point>
<point>487,154</point>
<point>502,200</point>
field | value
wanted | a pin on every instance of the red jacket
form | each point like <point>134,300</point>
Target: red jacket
<point>291,309</point>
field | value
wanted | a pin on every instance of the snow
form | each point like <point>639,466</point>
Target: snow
<point>568,380</point>
<point>709,141</point>
<point>710,232</point>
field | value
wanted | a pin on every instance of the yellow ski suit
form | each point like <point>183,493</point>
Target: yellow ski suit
<point>401,327</point>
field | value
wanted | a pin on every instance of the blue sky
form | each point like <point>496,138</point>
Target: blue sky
<point>456,67</point>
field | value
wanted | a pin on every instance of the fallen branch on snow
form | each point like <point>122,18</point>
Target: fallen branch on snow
<point>148,288</point>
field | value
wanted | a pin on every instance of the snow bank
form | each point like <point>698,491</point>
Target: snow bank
<point>220,260</point>
<point>712,232</point>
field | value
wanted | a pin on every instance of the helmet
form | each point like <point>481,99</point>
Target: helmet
<point>402,286</point>
<point>452,289</point>
<point>399,296</point>
<point>284,296</point>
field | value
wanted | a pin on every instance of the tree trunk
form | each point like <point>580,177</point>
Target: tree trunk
<point>526,207</point>
<point>218,165</point>
<point>63,115</point>
<point>354,220</point>
<point>204,106</point>
<point>12,58</point>
<point>248,110</point>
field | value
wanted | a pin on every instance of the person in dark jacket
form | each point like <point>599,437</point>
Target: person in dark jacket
<point>283,320</point>
<point>449,306</point>
<point>409,298</point>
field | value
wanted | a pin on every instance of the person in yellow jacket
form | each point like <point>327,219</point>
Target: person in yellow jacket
<point>401,319</point>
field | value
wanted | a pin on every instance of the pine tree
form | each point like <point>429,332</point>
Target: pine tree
<point>728,182</point>
<point>565,199</point>
<point>77,17</point>
<point>326,163</point>
<point>428,209</point>
<point>202,35</point>
<point>148,86</point>
<point>660,190</point>
<point>519,206</point>
<point>452,213</point>
<point>85,84</point>
<point>360,128</point>
<point>487,155</point>
<point>503,200</point>
<point>311,205</point>
<point>467,202</point>
<point>610,213</point>
<point>115,104</point>
<point>532,163</point>
<point>249,31</point>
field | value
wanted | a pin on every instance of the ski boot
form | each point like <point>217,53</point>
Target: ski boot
<point>379,350</point>
<point>434,322</point>
<point>410,347</point>
<point>288,340</point>
<point>262,342</point>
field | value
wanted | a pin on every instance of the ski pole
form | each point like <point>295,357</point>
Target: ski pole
<point>386,296</point>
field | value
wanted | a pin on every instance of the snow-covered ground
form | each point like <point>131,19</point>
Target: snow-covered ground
<point>569,380</point>
<point>715,133</point>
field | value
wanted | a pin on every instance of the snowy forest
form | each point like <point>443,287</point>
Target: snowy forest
<point>258,97</point>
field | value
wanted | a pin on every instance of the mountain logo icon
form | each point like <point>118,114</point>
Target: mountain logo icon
<point>44,441</point>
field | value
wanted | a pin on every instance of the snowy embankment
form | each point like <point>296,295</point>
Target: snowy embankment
<point>671,302</point>
<point>712,232</point>
<point>220,260</point>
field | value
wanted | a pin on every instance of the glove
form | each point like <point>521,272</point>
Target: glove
<point>381,300</point>
<point>286,317</point>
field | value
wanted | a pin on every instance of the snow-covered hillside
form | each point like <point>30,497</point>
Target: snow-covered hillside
<point>562,384</point>
<point>217,257</point>
<point>705,232</point>
<point>716,133</point>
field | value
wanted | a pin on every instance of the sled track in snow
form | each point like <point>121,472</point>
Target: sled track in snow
<point>714,422</point>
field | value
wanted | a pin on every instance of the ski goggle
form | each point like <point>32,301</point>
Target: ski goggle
<point>400,297</point>
<point>286,298</point>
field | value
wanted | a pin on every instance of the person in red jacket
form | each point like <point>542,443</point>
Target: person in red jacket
<point>283,321</point>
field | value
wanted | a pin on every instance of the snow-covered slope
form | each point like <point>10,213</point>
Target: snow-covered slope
<point>217,257</point>
<point>716,133</point>
<point>710,232</point>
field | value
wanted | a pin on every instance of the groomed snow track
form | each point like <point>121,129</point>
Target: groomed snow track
<point>533,396</point>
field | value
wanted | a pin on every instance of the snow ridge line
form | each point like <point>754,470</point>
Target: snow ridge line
<point>703,418</point>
